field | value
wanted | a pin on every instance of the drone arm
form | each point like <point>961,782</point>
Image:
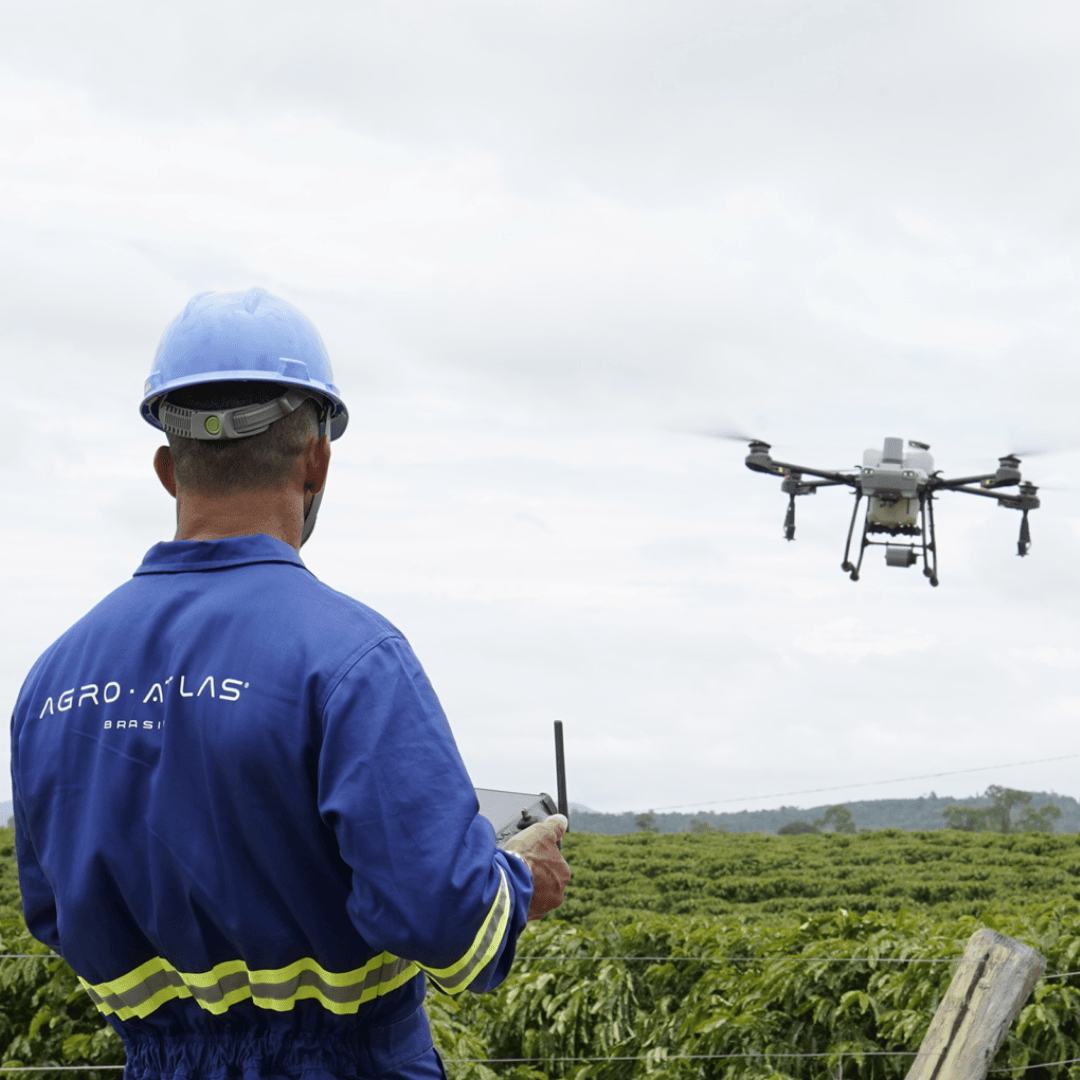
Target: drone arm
<point>957,485</point>
<point>1008,474</point>
<point>827,479</point>
<point>1024,500</point>
<point>939,483</point>
<point>759,460</point>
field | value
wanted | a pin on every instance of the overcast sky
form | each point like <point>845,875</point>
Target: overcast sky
<point>547,244</point>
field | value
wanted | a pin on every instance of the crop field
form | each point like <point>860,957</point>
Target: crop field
<point>707,955</point>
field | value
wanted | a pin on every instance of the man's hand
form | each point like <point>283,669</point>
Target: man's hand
<point>538,846</point>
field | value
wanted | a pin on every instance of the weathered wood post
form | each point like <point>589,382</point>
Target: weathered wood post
<point>992,981</point>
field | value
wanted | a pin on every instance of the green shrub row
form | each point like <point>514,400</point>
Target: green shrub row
<point>757,875</point>
<point>764,959</point>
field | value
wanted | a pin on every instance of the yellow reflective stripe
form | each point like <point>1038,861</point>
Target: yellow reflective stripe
<point>485,945</point>
<point>139,992</point>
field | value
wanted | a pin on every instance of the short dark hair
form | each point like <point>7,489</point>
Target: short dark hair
<point>225,466</point>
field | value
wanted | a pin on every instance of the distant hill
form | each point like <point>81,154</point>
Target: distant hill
<point>910,814</point>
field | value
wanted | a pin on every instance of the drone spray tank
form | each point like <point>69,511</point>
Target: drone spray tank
<point>894,483</point>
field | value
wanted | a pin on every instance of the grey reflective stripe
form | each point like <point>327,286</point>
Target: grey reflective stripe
<point>483,950</point>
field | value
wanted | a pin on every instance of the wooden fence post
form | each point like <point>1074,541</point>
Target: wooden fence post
<point>992,981</point>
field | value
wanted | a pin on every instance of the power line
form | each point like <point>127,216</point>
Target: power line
<point>869,783</point>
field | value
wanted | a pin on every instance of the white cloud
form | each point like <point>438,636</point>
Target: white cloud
<point>545,242</point>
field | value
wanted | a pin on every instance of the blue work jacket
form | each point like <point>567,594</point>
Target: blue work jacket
<point>242,819</point>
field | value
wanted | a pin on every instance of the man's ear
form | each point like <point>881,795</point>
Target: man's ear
<point>316,464</point>
<point>166,472</point>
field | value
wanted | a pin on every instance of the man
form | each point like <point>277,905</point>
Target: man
<point>240,813</point>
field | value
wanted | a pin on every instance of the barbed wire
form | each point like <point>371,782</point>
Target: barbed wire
<point>749,1056</point>
<point>753,959</point>
<point>835,1055</point>
<point>685,959</point>
<point>1036,1065</point>
<point>760,1055</point>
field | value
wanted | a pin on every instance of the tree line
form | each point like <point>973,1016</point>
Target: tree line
<point>998,816</point>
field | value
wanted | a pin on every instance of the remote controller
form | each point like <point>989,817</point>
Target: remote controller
<point>511,811</point>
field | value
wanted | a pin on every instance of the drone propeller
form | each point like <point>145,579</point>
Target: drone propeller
<point>732,436</point>
<point>1041,448</point>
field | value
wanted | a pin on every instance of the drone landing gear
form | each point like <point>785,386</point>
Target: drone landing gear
<point>929,547</point>
<point>846,564</point>
<point>895,554</point>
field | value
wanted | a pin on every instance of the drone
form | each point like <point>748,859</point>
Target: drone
<point>900,488</point>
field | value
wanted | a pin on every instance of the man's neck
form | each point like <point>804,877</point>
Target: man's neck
<point>274,511</point>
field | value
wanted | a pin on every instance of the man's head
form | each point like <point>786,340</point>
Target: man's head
<point>242,386</point>
<point>223,467</point>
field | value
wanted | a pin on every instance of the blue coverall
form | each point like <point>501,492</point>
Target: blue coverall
<point>242,819</point>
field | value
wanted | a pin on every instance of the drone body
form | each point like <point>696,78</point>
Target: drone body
<point>900,488</point>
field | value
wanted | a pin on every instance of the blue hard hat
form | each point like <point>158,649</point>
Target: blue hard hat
<point>248,336</point>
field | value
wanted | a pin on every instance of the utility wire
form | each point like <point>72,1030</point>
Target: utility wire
<point>759,1056</point>
<point>759,959</point>
<point>691,960</point>
<point>1037,1065</point>
<point>869,783</point>
<point>678,959</point>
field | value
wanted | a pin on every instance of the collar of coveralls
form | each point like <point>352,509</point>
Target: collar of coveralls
<point>192,556</point>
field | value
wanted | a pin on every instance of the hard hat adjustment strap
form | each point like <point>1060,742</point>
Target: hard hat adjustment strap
<point>316,499</point>
<point>239,423</point>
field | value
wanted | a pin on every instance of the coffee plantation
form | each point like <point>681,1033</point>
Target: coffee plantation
<point>704,955</point>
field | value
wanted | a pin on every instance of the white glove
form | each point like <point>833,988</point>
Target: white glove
<point>538,846</point>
